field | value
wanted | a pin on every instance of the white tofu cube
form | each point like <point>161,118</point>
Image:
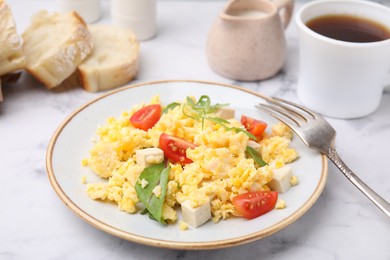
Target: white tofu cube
<point>195,216</point>
<point>281,180</point>
<point>254,145</point>
<point>149,156</point>
<point>225,113</point>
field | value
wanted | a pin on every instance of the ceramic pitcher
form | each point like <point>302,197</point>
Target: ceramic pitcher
<point>247,40</point>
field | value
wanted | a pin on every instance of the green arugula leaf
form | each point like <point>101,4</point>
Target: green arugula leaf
<point>204,103</point>
<point>154,175</point>
<point>218,120</point>
<point>250,135</point>
<point>170,107</point>
<point>222,122</point>
<point>191,102</point>
<point>201,110</point>
<point>256,156</point>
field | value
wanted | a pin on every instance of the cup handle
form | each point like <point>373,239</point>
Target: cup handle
<point>286,8</point>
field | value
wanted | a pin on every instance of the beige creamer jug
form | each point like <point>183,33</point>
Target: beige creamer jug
<point>247,40</point>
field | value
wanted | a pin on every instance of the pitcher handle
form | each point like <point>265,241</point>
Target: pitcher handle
<point>286,8</point>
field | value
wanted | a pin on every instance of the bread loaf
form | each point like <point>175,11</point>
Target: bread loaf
<point>54,45</point>
<point>113,61</point>
<point>11,53</point>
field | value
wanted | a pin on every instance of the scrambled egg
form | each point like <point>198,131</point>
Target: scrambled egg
<point>220,169</point>
<point>84,179</point>
<point>183,226</point>
<point>280,204</point>
<point>294,180</point>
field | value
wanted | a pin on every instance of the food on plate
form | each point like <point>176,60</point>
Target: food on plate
<point>149,156</point>
<point>195,216</point>
<point>175,149</point>
<point>113,61</point>
<point>146,117</point>
<point>280,204</point>
<point>11,54</point>
<point>254,126</point>
<point>54,45</point>
<point>226,113</point>
<point>183,225</point>
<point>281,180</point>
<point>254,204</point>
<point>212,167</point>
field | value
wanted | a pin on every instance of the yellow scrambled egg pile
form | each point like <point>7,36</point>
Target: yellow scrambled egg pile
<point>220,169</point>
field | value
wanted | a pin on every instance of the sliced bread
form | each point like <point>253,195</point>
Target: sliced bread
<point>113,61</point>
<point>54,45</point>
<point>11,52</point>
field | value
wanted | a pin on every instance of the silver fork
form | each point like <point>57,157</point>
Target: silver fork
<point>318,134</point>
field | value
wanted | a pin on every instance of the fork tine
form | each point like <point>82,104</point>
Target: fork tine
<point>288,109</point>
<point>280,110</point>
<point>281,116</point>
<point>305,109</point>
<point>276,113</point>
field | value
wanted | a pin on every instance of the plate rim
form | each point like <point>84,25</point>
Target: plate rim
<point>168,243</point>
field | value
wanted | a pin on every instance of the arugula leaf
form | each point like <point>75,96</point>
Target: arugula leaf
<point>218,120</point>
<point>170,107</point>
<point>154,175</point>
<point>250,135</point>
<point>201,110</point>
<point>222,122</point>
<point>256,156</point>
<point>204,105</point>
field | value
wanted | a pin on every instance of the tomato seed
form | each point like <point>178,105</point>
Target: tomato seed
<point>173,147</point>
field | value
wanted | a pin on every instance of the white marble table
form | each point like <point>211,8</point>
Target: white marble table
<point>35,224</point>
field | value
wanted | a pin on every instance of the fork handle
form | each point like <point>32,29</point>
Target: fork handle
<point>380,202</point>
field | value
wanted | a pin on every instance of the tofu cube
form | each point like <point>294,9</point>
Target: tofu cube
<point>195,216</point>
<point>149,156</point>
<point>281,180</point>
<point>225,113</point>
<point>254,145</point>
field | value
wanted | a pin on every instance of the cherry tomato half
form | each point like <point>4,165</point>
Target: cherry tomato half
<point>175,148</point>
<point>254,204</point>
<point>253,126</point>
<point>146,117</point>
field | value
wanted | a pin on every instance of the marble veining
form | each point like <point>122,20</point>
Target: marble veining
<point>35,224</point>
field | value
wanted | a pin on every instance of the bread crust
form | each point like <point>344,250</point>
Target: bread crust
<point>52,64</point>
<point>95,75</point>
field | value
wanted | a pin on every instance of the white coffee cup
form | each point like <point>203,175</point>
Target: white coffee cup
<point>337,78</point>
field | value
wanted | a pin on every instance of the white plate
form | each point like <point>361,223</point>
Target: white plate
<point>72,141</point>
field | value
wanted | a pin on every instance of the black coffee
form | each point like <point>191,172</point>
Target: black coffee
<point>349,28</point>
